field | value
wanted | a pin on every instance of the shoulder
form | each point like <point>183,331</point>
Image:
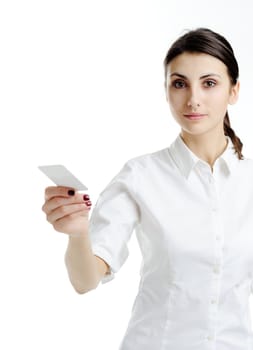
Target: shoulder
<point>246,167</point>
<point>149,159</point>
<point>247,163</point>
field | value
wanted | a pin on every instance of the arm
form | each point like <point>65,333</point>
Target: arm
<point>85,270</point>
<point>68,213</point>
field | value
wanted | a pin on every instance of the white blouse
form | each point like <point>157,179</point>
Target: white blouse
<point>195,231</point>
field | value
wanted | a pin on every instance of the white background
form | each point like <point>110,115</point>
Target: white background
<point>81,83</point>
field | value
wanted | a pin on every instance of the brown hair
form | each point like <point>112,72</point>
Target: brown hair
<point>204,40</point>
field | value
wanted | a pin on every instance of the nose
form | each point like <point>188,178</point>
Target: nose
<point>193,100</point>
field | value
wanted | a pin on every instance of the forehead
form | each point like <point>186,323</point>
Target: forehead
<point>190,64</point>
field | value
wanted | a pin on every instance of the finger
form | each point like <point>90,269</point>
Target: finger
<point>56,202</point>
<point>66,210</point>
<point>59,191</point>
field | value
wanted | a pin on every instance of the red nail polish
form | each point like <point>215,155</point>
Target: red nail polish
<point>86,197</point>
<point>88,203</point>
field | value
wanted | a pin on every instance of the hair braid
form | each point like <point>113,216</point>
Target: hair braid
<point>235,139</point>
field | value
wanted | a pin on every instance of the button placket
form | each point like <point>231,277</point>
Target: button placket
<point>218,253</point>
<point>218,236</point>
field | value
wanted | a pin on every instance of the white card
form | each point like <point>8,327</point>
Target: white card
<point>61,176</point>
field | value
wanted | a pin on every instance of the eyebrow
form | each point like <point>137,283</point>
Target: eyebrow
<point>202,77</point>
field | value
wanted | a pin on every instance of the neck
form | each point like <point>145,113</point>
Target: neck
<point>207,147</point>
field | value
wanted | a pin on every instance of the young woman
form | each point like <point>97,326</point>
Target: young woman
<point>191,206</point>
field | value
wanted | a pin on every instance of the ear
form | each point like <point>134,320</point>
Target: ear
<point>234,93</point>
<point>166,90</point>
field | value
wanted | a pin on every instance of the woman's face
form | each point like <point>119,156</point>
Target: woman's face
<point>198,90</point>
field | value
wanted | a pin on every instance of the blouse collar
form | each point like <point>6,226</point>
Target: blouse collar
<point>186,160</point>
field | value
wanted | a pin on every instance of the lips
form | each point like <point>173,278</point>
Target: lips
<point>194,116</point>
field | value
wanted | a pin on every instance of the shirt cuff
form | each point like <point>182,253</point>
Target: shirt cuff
<point>103,255</point>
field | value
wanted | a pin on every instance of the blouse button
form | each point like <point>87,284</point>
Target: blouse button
<point>209,337</point>
<point>213,301</point>
<point>216,269</point>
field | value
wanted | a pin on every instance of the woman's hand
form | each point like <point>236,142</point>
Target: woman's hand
<point>67,210</point>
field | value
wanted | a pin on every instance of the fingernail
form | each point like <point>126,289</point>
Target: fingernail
<point>71,192</point>
<point>88,203</point>
<point>86,197</point>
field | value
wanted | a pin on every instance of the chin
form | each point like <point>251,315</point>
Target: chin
<point>194,131</point>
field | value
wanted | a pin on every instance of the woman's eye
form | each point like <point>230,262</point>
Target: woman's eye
<point>178,84</point>
<point>210,83</point>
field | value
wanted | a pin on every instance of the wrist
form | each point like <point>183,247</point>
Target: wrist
<point>77,235</point>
